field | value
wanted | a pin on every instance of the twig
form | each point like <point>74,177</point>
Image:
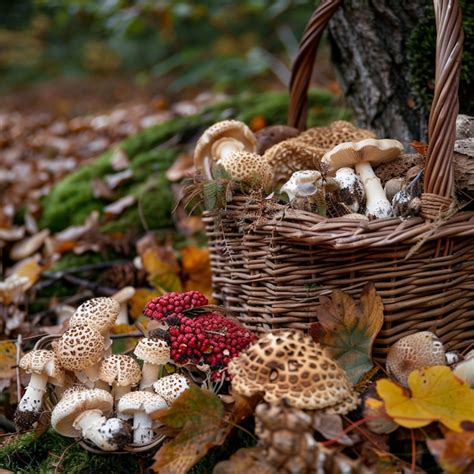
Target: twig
<point>17,369</point>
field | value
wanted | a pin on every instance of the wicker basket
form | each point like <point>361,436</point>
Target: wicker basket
<point>270,264</point>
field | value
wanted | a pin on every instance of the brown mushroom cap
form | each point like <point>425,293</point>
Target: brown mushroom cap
<point>75,402</point>
<point>225,129</point>
<point>171,387</point>
<point>289,365</point>
<point>79,348</point>
<point>248,168</point>
<point>419,350</point>
<point>153,351</point>
<point>98,313</point>
<point>120,369</point>
<point>42,361</point>
<point>365,151</point>
<point>399,167</point>
<point>269,136</point>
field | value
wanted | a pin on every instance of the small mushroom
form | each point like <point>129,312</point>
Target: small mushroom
<point>82,413</point>
<point>269,136</point>
<point>80,349</point>
<point>248,168</point>
<point>98,313</point>
<point>392,186</point>
<point>465,369</point>
<point>171,387</point>
<point>122,297</point>
<point>154,353</point>
<point>289,365</point>
<point>416,351</point>
<point>220,140</point>
<point>351,191</point>
<point>141,405</point>
<point>361,155</point>
<point>44,367</point>
<point>407,202</point>
<point>120,371</point>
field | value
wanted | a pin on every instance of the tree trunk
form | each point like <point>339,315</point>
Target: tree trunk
<point>369,43</point>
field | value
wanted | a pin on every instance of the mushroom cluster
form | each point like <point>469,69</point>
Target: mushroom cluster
<point>336,171</point>
<point>109,399</point>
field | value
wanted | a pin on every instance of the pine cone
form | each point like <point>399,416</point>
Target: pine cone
<point>124,274</point>
<point>286,435</point>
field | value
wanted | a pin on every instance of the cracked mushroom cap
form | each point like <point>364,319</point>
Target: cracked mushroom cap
<point>205,149</point>
<point>417,351</point>
<point>247,167</point>
<point>289,365</point>
<point>98,313</point>
<point>120,369</point>
<point>79,348</point>
<point>42,361</point>
<point>337,132</point>
<point>153,351</point>
<point>75,402</point>
<point>365,151</point>
<point>171,387</point>
<point>140,401</point>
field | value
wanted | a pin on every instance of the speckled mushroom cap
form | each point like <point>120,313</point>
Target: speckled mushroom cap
<point>141,401</point>
<point>171,387</point>
<point>419,350</point>
<point>248,168</point>
<point>98,313</point>
<point>74,403</point>
<point>365,151</point>
<point>225,129</point>
<point>337,132</point>
<point>79,348</point>
<point>289,365</point>
<point>42,361</point>
<point>120,369</point>
<point>153,351</point>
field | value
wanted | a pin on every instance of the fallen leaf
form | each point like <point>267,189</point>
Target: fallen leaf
<point>454,453</point>
<point>183,165</point>
<point>119,160</point>
<point>199,415</point>
<point>7,359</point>
<point>101,190</point>
<point>14,233</point>
<point>115,180</point>
<point>436,395</point>
<point>197,267</point>
<point>117,207</point>
<point>331,427</point>
<point>163,269</point>
<point>420,147</point>
<point>30,269</point>
<point>27,247</point>
<point>349,330</point>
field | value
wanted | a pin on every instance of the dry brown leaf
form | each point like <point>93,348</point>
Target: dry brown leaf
<point>454,453</point>
<point>29,246</point>
<point>245,460</point>
<point>117,207</point>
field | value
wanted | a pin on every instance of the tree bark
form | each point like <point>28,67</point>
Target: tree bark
<point>369,47</point>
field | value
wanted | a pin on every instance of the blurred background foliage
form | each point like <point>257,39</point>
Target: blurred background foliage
<point>219,43</point>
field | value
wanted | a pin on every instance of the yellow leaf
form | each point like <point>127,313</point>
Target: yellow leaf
<point>7,359</point>
<point>30,269</point>
<point>436,395</point>
<point>197,267</point>
<point>139,299</point>
<point>163,269</point>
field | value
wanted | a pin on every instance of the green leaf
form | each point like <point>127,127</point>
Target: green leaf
<point>349,330</point>
<point>210,195</point>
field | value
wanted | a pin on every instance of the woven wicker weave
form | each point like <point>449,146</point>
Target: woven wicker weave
<point>270,263</point>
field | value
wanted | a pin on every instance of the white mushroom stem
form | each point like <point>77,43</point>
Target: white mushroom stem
<point>149,376</point>
<point>122,317</point>
<point>89,424</point>
<point>32,400</point>
<point>377,204</point>
<point>89,376</point>
<point>142,428</point>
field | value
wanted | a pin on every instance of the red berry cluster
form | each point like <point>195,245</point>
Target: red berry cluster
<point>173,304</point>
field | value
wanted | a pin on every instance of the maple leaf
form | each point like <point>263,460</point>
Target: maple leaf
<point>436,395</point>
<point>348,330</point>
<point>199,415</point>
<point>455,453</point>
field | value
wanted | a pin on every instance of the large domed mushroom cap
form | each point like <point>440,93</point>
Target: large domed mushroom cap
<point>416,351</point>
<point>79,347</point>
<point>289,365</point>
<point>171,387</point>
<point>153,351</point>
<point>98,313</point>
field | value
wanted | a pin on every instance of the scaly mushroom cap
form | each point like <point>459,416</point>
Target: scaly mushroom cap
<point>79,348</point>
<point>227,129</point>
<point>98,313</point>
<point>337,132</point>
<point>133,402</point>
<point>42,361</point>
<point>365,151</point>
<point>289,365</point>
<point>153,351</point>
<point>269,136</point>
<point>249,168</point>
<point>75,402</point>
<point>292,155</point>
<point>398,167</point>
<point>120,369</point>
<point>417,351</point>
<point>171,387</point>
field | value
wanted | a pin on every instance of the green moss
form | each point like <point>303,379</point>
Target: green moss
<point>422,46</point>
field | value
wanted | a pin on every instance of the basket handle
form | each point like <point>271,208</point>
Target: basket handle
<point>438,180</point>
